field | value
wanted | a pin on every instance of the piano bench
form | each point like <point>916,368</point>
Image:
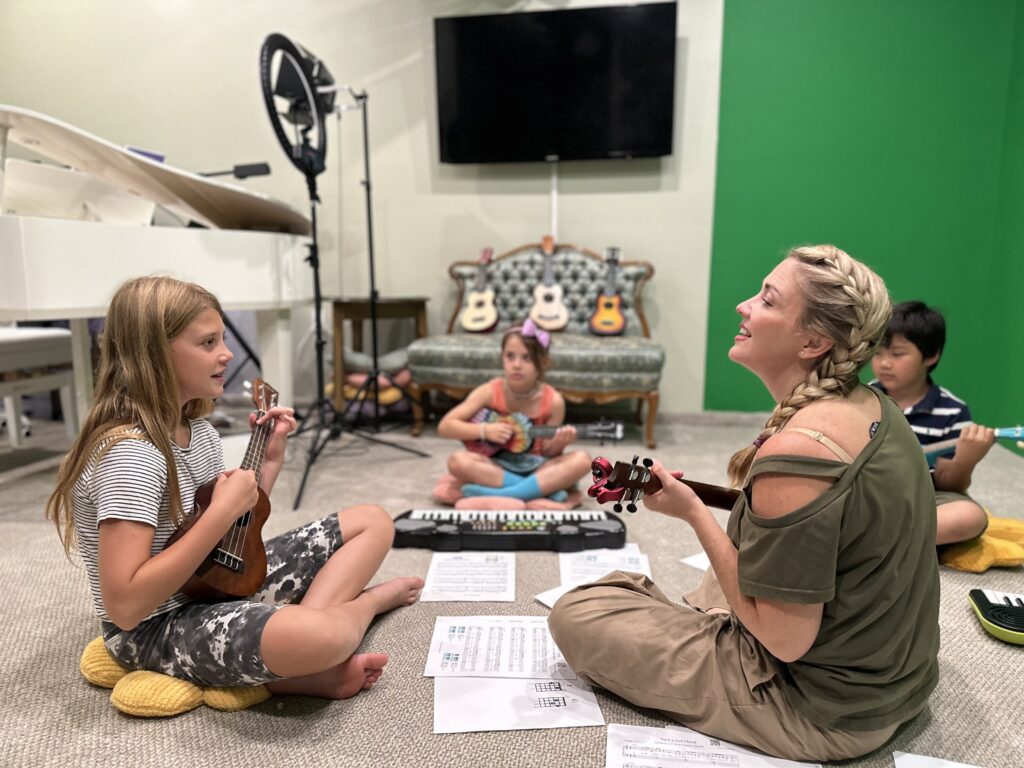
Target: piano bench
<point>35,360</point>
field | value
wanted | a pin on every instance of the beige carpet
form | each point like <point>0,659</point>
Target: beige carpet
<point>51,717</point>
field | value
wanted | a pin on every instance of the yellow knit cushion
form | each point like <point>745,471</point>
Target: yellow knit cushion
<point>150,694</point>
<point>234,699</point>
<point>1006,528</point>
<point>982,553</point>
<point>99,667</point>
<point>386,395</point>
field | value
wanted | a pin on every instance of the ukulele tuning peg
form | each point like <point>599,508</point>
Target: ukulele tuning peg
<point>648,463</point>
<point>631,507</point>
<point>636,458</point>
<point>618,508</point>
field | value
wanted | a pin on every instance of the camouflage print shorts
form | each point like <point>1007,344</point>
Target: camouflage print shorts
<point>219,644</point>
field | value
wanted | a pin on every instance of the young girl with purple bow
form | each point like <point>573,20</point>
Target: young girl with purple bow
<point>546,469</point>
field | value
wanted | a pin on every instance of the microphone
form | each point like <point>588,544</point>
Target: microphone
<point>242,171</point>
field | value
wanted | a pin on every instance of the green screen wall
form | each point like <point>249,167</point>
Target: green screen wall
<point>895,130</point>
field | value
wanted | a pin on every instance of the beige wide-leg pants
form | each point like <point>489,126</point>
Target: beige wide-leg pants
<point>702,669</point>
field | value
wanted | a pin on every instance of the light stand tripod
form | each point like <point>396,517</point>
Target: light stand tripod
<point>370,388</point>
<point>306,89</point>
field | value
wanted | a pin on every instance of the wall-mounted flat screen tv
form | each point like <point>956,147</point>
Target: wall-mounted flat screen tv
<point>572,84</point>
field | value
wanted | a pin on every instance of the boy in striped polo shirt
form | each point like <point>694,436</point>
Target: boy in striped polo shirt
<point>902,366</point>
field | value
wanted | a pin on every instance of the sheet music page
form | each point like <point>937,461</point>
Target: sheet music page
<point>675,745</point>
<point>908,760</point>
<point>699,561</point>
<point>471,576</point>
<point>550,597</point>
<point>495,646</point>
<point>635,746</point>
<point>581,567</point>
<point>591,564</point>
<point>463,704</point>
<point>748,758</point>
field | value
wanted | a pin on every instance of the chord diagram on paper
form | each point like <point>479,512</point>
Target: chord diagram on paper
<point>545,702</point>
<point>551,685</point>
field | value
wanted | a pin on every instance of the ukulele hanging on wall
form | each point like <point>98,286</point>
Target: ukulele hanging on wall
<point>479,314</point>
<point>607,319</point>
<point>549,311</point>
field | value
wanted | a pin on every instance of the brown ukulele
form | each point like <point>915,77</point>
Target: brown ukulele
<point>631,480</point>
<point>237,566</point>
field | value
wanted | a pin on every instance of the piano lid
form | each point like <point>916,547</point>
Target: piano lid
<point>213,203</point>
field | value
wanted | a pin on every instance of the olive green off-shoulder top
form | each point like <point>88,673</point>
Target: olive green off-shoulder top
<point>866,550</point>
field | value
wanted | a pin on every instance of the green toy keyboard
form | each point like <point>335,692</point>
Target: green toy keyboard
<point>1000,613</point>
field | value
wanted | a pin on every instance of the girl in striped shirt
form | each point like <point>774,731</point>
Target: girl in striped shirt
<point>123,489</point>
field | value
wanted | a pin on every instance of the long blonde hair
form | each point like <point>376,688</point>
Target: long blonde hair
<point>845,302</point>
<point>136,387</point>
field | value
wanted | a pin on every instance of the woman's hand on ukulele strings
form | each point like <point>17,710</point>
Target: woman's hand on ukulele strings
<point>235,492</point>
<point>284,424</point>
<point>674,499</point>
<point>564,435</point>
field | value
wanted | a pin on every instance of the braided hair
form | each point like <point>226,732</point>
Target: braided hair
<point>845,302</point>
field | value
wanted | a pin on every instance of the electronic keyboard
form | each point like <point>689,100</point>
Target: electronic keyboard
<point>1000,613</point>
<point>451,530</point>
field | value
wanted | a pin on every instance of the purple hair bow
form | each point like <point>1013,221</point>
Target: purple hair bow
<point>530,330</point>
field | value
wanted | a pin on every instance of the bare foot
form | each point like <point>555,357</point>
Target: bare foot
<point>357,673</point>
<point>404,590</point>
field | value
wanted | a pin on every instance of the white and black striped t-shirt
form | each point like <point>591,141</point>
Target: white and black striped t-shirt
<point>130,483</point>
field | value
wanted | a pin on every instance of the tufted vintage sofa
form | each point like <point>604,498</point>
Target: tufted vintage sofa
<point>584,367</point>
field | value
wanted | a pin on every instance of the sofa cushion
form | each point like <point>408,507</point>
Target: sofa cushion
<point>578,361</point>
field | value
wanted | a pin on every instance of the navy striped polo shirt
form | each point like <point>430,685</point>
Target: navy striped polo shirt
<point>939,415</point>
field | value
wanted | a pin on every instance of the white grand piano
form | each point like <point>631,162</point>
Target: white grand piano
<point>251,255</point>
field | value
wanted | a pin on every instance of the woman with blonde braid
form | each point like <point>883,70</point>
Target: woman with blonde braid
<point>815,633</point>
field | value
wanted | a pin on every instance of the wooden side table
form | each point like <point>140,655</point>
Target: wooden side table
<point>357,311</point>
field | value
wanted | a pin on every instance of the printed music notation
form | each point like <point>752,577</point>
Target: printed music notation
<point>495,646</point>
<point>464,704</point>
<point>583,567</point>
<point>470,577</point>
<point>677,746</point>
<point>679,755</point>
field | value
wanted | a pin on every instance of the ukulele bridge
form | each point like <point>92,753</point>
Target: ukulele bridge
<point>228,560</point>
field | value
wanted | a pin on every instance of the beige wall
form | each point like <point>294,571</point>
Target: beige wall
<point>181,77</point>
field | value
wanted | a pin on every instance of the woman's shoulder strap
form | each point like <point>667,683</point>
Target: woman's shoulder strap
<point>825,440</point>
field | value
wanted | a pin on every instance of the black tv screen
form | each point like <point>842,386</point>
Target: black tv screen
<point>571,84</point>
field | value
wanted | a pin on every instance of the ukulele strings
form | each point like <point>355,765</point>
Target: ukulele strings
<point>254,460</point>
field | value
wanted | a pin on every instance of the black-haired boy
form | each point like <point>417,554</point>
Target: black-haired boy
<point>903,365</point>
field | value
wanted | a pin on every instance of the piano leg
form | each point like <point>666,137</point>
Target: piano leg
<point>274,328</point>
<point>81,362</point>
